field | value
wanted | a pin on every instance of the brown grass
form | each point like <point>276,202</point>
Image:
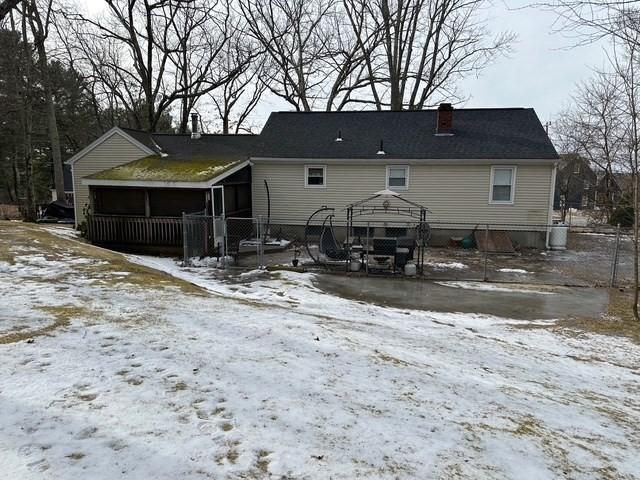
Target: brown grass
<point>63,316</point>
<point>55,248</point>
<point>618,321</point>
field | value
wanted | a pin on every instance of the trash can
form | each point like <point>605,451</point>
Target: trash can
<point>558,236</point>
<point>402,257</point>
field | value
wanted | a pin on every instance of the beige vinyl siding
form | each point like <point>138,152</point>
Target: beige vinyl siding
<point>453,193</point>
<point>114,151</point>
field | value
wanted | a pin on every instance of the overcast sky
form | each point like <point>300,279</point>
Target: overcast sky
<point>541,72</point>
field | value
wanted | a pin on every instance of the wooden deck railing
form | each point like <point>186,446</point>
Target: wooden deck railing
<point>127,230</point>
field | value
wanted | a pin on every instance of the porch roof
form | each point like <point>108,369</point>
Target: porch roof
<point>156,168</point>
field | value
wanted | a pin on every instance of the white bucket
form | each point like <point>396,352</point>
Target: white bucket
<point>355,266</point>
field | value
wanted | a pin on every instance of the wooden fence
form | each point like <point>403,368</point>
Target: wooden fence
<point>128,230</point>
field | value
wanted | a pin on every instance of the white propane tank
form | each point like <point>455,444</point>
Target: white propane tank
<point>558,236</point>
<point>410,269</point>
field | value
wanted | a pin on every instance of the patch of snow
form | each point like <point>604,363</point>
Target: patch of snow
<point>64,232</point>
<point>446,265</point>
<point>513,270</point>
<point>492,287</point>
<point>271,242</point>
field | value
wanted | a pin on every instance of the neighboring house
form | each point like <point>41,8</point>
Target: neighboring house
<point>469,167</point>
<point>68,186</point>
<point>576,184</point>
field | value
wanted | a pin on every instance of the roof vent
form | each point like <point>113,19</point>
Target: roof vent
<point>339,137</point>
<point>444,125</point>
<point>381,151</point>
<point>195,134</point>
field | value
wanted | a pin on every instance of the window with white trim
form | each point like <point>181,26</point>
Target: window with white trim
<point>503,181</point>
<point>398,177</point>
<point>315,176</point>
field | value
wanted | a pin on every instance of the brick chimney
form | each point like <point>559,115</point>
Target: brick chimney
<point>445,119</point>
<point>195,134</point>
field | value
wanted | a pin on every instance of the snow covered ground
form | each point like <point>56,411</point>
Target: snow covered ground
<point>142,375</point>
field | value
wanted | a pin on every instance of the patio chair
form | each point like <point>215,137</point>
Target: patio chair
<point>328,244</point>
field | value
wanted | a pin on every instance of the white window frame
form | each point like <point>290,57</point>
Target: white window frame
<point>514,171</point>
<point>324,176</point>
<point>397,189</point>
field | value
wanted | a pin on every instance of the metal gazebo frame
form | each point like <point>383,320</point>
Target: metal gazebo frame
<point>408,209</point>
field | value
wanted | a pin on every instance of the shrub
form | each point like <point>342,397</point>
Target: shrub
<point>622,215</point>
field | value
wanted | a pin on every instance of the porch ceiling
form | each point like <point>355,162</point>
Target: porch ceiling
<point>156,168</point>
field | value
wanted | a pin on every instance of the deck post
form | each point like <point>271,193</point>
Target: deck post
<point>185,258</point>
<point>486,252</point>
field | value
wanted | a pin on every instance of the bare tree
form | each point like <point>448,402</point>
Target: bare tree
<point>293,36</point>
<point>618,21</point>
<point>314,59</point>
<point>425,47</point>
<point>590,20</point>
<point>161,52</point>
<point>594,129</point>
<point>237,98</point>
<point>625,60</point>
<point>6,6</point>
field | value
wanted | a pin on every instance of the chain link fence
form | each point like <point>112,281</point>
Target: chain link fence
<point>441,251</point>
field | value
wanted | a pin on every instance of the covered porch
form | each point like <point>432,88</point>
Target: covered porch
<point>141,204</point>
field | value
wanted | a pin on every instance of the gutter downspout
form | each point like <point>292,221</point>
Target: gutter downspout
<point>551,195</point>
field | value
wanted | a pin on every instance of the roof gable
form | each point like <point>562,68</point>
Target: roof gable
<point>106,136</point>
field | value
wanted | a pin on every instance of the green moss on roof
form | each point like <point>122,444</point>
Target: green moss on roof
<point>157,168</point>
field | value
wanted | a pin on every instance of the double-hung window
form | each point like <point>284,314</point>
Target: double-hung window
<point>315,176</point>
<point>398,177</point>
<point>503,183</point>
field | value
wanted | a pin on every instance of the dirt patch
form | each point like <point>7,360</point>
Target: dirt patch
<point>76,456</point>
<point>262,461</point>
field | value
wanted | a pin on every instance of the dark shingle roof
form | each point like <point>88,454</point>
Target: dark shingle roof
<point>142,137</point>
<point>209,146</point>
<point>500,133</point>
<point>182,146</point>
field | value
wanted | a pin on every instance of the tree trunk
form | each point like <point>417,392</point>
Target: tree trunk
<point>225,124</point>
<point>54,137</point>
<point>16,178</point>
<point>39,38</point>
<point>636,216</point>
<point>29,204</point>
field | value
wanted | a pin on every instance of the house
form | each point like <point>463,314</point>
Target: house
<point>576,184</point>
<point>469,167</point>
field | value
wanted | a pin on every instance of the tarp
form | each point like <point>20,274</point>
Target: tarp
<point>58,210</point>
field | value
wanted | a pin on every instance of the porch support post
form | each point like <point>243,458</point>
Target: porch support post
<point>147,207</point>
